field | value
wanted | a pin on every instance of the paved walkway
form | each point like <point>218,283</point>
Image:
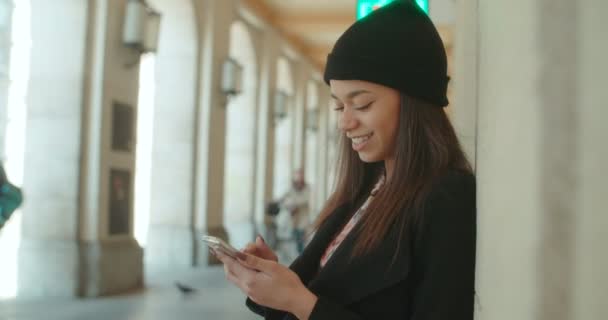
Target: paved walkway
<point>213,299</point>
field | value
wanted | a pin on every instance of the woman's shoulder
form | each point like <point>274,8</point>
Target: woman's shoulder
<point>453,183</point>
<point>449,207</point>
<point>452,196</point>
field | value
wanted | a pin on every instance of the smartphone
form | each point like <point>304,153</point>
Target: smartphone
<point>222,246</point>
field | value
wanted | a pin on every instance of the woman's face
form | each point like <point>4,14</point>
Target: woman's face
<point>368,114</point>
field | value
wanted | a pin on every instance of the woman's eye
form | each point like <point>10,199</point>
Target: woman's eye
<point>339,108</point>
<point>364,107</point>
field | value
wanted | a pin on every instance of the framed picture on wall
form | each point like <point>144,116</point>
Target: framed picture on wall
<point>120,202</point>
<point>123,127</point>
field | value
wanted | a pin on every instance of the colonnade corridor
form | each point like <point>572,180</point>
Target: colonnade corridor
<point>131,128</point>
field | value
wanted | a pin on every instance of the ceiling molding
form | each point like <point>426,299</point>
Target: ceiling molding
<point>261,8</point>
<point>264,11</point>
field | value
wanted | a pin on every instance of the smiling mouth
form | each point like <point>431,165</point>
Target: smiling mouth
<point>360,141</point>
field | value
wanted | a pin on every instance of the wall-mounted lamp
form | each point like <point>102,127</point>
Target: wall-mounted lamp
<point>232,77</point>
<point>141,27</point>
<point>312,119</point>
<point>281,99</point>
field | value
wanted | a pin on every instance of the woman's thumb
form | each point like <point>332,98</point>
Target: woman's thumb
<point>261,244</point>
<point>264,250</point>
<point>260,241</point>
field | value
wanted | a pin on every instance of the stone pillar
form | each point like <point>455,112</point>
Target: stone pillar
<point>284,127</point>
<point>6,10</point>
<point>323,145</point>
<point>171,236</point>
<point>311,141</point>
<point>333,138</point>
<point>241,121</point>
<point>591,152</point>
<point>48,255</point>
<point>257,42</point>
<point>214,20</point>
<point>464,106</point>
<point>541,159</point>
<point>111,261</point>
<point>301,76</point>
<point>73,241</point>
<point>269,54</point>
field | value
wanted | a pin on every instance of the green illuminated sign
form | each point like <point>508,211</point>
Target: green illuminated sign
<point>365,7</point>
<point>424,4</point>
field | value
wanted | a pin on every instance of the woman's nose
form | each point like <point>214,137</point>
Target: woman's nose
<point>347,120</point>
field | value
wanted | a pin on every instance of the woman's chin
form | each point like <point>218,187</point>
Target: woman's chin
<point>368,158</point>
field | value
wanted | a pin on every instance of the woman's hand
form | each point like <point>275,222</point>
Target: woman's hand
<point>269,284</point>
<point>260,249</point>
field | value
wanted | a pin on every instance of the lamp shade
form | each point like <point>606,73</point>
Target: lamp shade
<point>232,77</point>
<point>280,104</point>
<point>134,24</point>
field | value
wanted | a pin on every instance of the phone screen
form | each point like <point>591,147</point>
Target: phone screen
<point>218,244</point>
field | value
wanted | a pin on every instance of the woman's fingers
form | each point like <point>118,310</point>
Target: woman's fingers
<point>259,264</point>
<point>265,251</point>
<point>260,243</point>
<point>234,269</point>
<point>241,276</point>
<point>229,275</point>
<point>250,248</point>
<point>260,249</point>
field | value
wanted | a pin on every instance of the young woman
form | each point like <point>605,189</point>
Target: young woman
<point>396,239</point>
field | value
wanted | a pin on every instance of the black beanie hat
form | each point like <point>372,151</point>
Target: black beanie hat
<point>396,46</point>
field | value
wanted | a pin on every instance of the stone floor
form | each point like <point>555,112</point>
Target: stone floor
<point>213,299</point>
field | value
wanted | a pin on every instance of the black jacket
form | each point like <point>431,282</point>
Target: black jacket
<point>431,278</point>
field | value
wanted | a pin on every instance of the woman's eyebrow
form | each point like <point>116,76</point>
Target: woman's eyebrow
<point>352,94</point>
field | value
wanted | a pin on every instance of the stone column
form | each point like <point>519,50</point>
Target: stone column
<point>171,236</point>
<point>214,20</point>
<point>257,30</point>
<point>541,159</point>
<point>323,145</point>
<point>111,261</point>
<point>333,138</point>
<point>6,10</point>
<point>301,76</point>
<point>465,82</point>
<point>48,256</point>
<point>269,54</point>
<point>73,240</point>
<point>590,149</point>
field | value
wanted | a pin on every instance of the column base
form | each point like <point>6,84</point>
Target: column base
<point>110,267</point>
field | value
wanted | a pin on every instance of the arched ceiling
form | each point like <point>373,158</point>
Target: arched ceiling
<point>312,26</point>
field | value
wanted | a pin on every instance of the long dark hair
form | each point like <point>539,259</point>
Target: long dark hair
<point>426,147</point>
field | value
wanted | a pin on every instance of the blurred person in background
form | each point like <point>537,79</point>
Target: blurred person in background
<point>296,203</point>
<point>10,198</point>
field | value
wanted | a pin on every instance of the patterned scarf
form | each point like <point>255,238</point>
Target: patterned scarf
<point>333,246</point>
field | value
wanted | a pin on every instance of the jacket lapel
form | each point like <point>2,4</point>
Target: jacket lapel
<point>307,264</point>
<point>345,279</point>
